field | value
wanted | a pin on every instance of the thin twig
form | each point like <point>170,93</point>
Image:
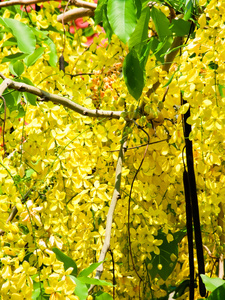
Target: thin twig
<point>129,201</point>
<point>80,74</point>
<point>208,251</point>
<point>139,146</point>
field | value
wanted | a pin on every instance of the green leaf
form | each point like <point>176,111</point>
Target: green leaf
<point>188,10</point>
<point>140,34</point>
<point>103,296</point>
<point>10,100</point>
<point>213,66</point>
<point>68,262</point>
<point>88,31</point>
<point>162,24</point>
<point>53,57</point>
<point>10,42</point>
<point>23,34</point>
<point>21,111</point>
<point>138,5</point>
<point>29,172</point>
<point>106,24</point>
<point>17,96</point>
<point>218,293</point>
<point>89,269</point>
<point>99,11</point>
<point>32,58</point>
<point>94,281</point>
<point>180,27</point>
<point>14,57</point>
<point>37,286</point>
<point>81,289</point>
<point>160,48</point>
<point>53,60</point>
<point>144,54</point>
<point>122,18</point>
<point>133,74</point>
<point>16,68</point>
<point>164,258</point>
<point>212,283</point>
<point>221,87</point>
<point>30,98</point>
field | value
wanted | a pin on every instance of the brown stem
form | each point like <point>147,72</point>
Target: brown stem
<point>129,204</point>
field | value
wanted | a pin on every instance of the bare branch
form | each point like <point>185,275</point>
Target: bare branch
<point>116,196</point>
<point>80,3</point>
<point>45,96</point>
<point>4,84</point>
<point>21,2</point>
<point>74,14</point>
<point>208,251</point>
<point>169,58</point>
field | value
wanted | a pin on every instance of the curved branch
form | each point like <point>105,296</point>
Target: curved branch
<point>116,196</point>
<point>80,3</point>
<point>45,96</point>
<point>74,14</point>
<point>21,2</point>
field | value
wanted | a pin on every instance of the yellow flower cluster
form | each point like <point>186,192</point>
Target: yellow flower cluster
<point>66,163</point>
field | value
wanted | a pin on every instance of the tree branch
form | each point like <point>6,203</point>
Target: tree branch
<point>21,2</point>
<point>74,14</point>
<point>45,96</point>
<point>80,3</point>
<point>116,196</point>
